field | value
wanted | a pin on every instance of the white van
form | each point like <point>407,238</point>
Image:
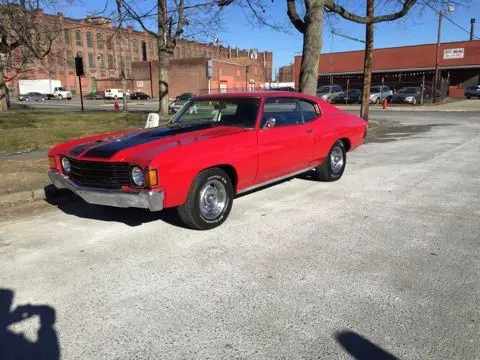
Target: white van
<point>113,94</point>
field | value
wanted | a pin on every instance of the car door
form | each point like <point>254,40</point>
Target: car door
<point>288,145</point>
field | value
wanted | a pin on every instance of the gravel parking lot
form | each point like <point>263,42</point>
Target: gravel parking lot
<point>382,264</point>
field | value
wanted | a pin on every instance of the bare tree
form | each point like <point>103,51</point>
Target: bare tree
<point>26,38</point>
<point>172,18</point>
<point>369,20</point>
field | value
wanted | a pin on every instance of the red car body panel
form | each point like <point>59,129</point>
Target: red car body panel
<point>254,155</point>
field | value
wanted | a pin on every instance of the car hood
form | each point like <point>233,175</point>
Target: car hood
<point>140,144</point>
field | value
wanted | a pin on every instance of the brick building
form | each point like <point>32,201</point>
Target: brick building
<point>459,65</point>
<point>285,73</point>
<point>191,75</point>
<point>105,51</point>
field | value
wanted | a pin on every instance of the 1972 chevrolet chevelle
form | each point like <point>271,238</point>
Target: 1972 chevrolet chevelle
<point>202,159</point>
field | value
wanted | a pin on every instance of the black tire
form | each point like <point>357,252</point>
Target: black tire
<point>190,212</point>
<point>467,96</point>
<point>414,102</point>
<point>325,171</point>
<point>60,97</point>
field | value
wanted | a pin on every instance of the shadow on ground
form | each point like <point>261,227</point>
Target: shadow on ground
<point>361,348</point>
<point>14,345</point>
<point>71,204</point>
<point>387,132</point>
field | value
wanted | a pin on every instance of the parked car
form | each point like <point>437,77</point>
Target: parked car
<point>178,102</point>
<point>200,162</point>
<point>99,95</point>
<point>472,91</point>
<point>328,92</point>
<point>409,95</point>
<point>353,96</point>
<point>138,95</point>
<point>32,96</point>
<point>379,93</point>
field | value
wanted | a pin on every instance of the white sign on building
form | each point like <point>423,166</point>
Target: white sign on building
<point>457,53</point>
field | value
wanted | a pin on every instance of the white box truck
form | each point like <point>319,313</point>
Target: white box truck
<point>53,89</point>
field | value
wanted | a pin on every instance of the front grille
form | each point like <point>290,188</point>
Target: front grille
<point>100,174</point>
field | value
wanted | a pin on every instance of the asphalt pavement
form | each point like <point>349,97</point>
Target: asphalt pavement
<point>382,264</point>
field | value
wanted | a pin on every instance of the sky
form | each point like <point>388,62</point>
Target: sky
<point>238,28</point>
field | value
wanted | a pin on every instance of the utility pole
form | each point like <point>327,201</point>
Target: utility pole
<point>122,59</point>
<point>437,58</point>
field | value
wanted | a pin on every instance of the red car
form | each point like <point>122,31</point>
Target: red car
<point>202,159</point>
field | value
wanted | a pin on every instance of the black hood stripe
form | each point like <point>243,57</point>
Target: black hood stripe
<point>106,150</point>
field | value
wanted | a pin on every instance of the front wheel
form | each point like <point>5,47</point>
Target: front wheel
<point>209,200</point>
<point>333,166</point>
<point>60,97</point>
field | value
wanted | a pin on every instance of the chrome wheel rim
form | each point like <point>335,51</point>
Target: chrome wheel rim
<point>213,199</point>
<point>336,160</point>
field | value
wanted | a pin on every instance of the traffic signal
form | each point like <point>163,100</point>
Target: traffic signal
<point>79,66</point>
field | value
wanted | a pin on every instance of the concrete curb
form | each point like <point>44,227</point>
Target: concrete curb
<point>48,192</point>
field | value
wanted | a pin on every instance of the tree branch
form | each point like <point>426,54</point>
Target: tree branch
<point>340,10</point>
<point>294,17</point>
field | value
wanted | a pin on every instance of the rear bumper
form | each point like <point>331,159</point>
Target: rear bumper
<point>144,199</point>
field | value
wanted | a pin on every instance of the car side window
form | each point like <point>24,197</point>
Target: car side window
<point>337,89</point>
<point>308,109</point>
<point>285,111</point>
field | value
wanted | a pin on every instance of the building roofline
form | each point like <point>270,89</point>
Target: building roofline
<point>398,47</point>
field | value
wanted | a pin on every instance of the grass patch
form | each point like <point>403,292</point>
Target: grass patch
<point>41,129</point>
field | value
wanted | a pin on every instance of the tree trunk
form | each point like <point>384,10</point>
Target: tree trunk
<point>312,44</point>
<point>367,67</point>
<point>163,67</point>
<point>3,89</point>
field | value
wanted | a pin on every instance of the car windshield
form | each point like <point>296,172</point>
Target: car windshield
<point>409,90</point>
<point>323,89</point>
<point>353,92</point>
<point>227,112</point>
<point>62,89</point>
<point>375,89</point>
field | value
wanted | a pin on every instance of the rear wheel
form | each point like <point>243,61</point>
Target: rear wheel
<point>333,166</point>
<point>209,200</point>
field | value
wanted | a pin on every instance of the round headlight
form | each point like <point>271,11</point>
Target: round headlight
<point>138,177</point>
<point>66,165</point>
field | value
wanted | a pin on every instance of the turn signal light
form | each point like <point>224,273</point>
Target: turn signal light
<point>152,177</point>
<point>52,162</point>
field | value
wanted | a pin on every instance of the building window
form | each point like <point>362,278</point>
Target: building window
<point>150,47</point>
<point>124,44</point>
<point>69,58</point>
<point>89,40</point>
<point>110,61</point>
<point>120,61</point>
<point>128,63</point>
<point>135,46</point>
<point>100,40</point>
<point>78,37</point>
<point>66,35</point>
<point>91,61</point>
<point>109,43</point>
<point>144,51</point>
<point>101,60</point>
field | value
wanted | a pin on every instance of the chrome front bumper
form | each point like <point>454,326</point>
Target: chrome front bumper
<point>145,199</point>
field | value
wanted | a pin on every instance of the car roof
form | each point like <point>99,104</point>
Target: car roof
<point>256,95</point>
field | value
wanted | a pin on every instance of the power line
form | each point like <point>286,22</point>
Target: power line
<point>347,37</point>
<point>448,18</point>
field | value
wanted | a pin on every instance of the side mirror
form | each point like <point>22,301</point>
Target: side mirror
<point>270,123</point>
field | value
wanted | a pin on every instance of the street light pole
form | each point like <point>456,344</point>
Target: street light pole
<point>437,58</point>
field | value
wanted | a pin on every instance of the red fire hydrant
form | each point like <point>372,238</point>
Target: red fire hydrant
<point>116,106</point>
